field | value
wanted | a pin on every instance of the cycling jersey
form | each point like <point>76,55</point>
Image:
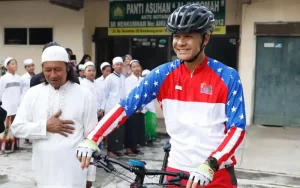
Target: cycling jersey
<point>204,111</point>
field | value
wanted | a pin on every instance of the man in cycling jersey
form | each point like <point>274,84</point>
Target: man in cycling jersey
<point>202,101</point>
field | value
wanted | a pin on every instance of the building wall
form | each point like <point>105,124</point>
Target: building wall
<point>96,14</point>
<point>233,12</point>
<point>259,11</point>
<point>67,28</point>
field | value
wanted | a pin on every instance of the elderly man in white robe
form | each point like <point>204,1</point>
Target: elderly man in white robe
<point>56,121</point>
<point>114,91</point>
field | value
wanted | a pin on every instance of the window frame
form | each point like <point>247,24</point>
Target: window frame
<point>28,35</point>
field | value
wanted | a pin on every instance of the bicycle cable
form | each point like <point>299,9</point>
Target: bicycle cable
<point>121,176</point>
<point>151,177</point>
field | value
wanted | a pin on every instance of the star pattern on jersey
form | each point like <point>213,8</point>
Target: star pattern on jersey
<point>235,110</point>
<point>137,96</point>
<point>148,88</point>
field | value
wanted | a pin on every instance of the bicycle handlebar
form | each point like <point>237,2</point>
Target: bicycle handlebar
<point>99,156</point>
<point>139,170</point>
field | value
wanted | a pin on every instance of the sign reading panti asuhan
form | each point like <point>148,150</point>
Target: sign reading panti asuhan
<point>149,17</point>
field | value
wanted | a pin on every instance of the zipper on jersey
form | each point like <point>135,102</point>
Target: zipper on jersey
<point>193,72</point>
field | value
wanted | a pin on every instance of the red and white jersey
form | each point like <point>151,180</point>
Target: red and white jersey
<point>204,111</point>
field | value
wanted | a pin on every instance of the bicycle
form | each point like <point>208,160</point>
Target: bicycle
<point>138,168</point>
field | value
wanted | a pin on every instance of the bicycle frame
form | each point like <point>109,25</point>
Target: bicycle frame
<point>167,148</point>
<point>138,168</point>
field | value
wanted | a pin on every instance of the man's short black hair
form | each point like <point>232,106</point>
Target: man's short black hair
<point>50,44</point>
<point>70,52</point>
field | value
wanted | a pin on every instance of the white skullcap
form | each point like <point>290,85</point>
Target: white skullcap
<point>6,61</point>
<point>28,62</point>
<point>55,53</point>
<point>134,60</point>
<point>88,63</point>
<point>145,72</point>
<point>117,60</point>
<point>104,64</point>
<point>81,67</point>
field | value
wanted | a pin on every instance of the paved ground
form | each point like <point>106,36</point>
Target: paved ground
<point>268,158</point>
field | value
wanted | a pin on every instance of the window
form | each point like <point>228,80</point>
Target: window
<point>40,36</point>
<point>13,36</point>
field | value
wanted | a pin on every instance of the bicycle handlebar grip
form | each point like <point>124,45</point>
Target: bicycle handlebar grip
<point>97,156</point>
<point>186,176</point>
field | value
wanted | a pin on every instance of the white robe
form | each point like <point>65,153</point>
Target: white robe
<point>90,86</point>
<point>10,93</point>
<point>80,79</point>
<point>25,83</point>
<point>131,82</point>
<point>53,159</point>
<point>100,91</point>
<point>114,91</point>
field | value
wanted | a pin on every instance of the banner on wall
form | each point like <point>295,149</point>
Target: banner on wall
<point>149,17</point>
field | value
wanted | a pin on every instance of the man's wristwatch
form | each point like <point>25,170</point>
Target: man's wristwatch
<point>213,163</point>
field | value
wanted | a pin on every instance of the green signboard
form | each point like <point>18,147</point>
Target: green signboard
<point>149,17</point>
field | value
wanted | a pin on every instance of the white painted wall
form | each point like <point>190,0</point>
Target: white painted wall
<point>259,11</point>
<point>67,28</point>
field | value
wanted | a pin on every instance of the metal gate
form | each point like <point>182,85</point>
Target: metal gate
<point>277,81</point>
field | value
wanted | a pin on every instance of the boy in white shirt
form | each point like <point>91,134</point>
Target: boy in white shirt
<point>25,81</point>
<point>81,72</point>
<point>10,94</point>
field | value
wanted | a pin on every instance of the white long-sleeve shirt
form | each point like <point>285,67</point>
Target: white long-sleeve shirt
<point>10,93</point>
<point>100,91</point>
<point>132,82</point>
<point>25,83</point>
<point>114,91</point>
<point>54,159</point>
<point>90,86</point>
